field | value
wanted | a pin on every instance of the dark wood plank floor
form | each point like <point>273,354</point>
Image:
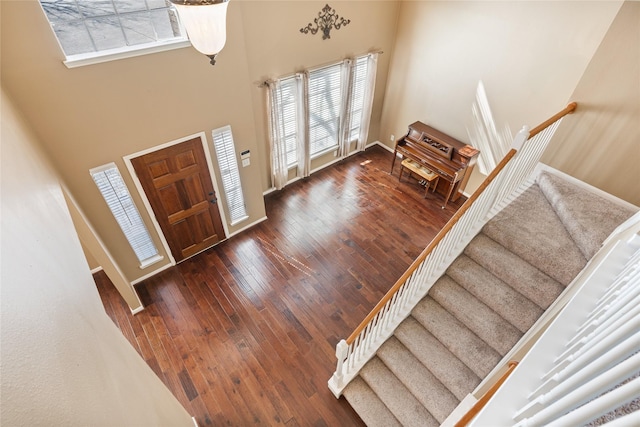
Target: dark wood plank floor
<point>245,333</point>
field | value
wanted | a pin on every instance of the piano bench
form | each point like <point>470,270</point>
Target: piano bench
<point>420,170</point>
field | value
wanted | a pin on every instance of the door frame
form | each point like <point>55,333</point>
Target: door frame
<point>145,201</point>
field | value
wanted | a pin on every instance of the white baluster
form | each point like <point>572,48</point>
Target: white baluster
<point>628,310</point>
<point>600,406</point>
<point>575,362</point>
<point>619,317</point>
<point>597,367</point>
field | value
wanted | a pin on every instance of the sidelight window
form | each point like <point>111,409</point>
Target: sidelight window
<point>232,187</point>
<point>118,198</point>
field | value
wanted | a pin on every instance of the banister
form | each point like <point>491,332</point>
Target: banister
<point>477,407</point>
<point>570,108</point>
<point>452,221</point>
<point>423,255</point>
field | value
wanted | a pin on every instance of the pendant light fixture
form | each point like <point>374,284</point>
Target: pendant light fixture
<point>206,24</point>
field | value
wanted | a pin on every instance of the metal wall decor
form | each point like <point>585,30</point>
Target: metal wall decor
<point>327,19</point>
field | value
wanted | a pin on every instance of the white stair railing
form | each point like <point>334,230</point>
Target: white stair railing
<point>506,182</point>
<point>587,362</point>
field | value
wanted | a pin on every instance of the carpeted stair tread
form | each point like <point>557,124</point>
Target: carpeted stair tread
<point>513,270</point>
<point>497,295</point>
<point>426,388</point>
<point>368,406</point>
<point>588,218</point>
<point>450,371</point>
<point>510,268</point>
<point>482,320</point>
<point>456,337</point>
<point>531,229</point>
<point>402,404</point>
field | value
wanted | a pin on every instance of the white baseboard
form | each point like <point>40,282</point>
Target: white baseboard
<point>272,189</point>
<point>389,149</point>
<point>195,423</point>
<point>264,218</point>
<point>135,311</point>
<point>95,270</point>
<point>153,273</point>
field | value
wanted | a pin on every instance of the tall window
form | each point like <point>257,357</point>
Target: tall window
<point>288,121</point>
<point>99,26</point>
<point>116,194</point>
<point>325,109</point>
<point>228,163</point>
<point>358,88</point>
<point>324,106</point>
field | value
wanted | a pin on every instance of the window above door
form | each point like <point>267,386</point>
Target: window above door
<point>92,31</point>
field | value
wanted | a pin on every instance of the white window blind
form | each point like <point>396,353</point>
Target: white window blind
<point>360,70</point>
<point>118,198</point>
<point>324,108</point>
<point>288,123</point>
<point>225,152</point>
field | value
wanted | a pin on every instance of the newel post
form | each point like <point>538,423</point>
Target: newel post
<point>521,137</point>
<point>341,354</point>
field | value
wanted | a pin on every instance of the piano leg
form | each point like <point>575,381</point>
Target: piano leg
<point>393,162</point>
<point>452,184</point>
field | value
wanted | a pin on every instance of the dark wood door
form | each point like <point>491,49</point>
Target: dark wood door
<point>178,185</point>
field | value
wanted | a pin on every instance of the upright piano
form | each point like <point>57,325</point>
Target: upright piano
<point>450,159</point>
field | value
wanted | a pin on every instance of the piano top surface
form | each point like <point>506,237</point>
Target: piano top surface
<point>436,134</point>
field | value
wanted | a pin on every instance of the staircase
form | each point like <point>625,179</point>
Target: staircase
<point>488,298</point>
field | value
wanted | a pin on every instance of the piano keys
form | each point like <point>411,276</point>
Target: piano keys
<point>452,160</point>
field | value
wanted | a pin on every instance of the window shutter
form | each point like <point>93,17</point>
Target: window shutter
<point>225,153</point>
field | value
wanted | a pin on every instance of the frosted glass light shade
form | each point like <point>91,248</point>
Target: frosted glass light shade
<point>206,25</point>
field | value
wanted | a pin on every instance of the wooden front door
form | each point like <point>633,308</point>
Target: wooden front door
<point>178,185</point>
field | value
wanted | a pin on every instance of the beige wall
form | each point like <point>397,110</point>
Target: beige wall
<point>64,362</point>
<point>96,114</point>
<point>600,142</point>
<point>530,56</point>
<point>276,48</point>
<point>434,55</point>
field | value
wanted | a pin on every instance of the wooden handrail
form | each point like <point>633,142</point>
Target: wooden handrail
<point>477,407</point>
<point>570,108</point>
<point>423,255</point>
<point>452,221</point>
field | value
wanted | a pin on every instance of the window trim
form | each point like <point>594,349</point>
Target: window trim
<point>84,59</point>
<point>108,55</point>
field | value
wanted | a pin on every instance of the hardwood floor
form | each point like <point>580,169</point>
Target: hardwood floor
<point>245,332</point>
